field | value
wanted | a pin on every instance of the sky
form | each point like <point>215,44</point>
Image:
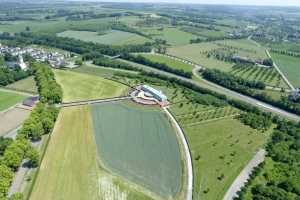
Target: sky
<point>238,2</point>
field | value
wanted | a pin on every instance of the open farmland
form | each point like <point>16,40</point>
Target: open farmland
<point>289,66</point>
<point>173,36</point>
<point>244,48</point>
<point>9,98</point>
<point>71,159</point>
<point>139,143</point>
<point>112,37</point>
<point>26,85</point>
<point>77,86</point>
<point>169,61</point>
<point>196,53</point>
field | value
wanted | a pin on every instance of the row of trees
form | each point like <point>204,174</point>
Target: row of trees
<point>161,66</point>
<point>41,121</point>
<point>49,90</point>
<point>220,78</point>
<point>281,179</point>
<point>227,80</point>
<point>8,76</point>
<point>107,62</point>
<point>285,52</point>
<point>73,45</point>
<point>260,121</point>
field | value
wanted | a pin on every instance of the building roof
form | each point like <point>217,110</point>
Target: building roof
<point>155,91</point>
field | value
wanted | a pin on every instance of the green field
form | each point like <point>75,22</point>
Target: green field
<point>26,85</point>
<point>220,147</point>
<point>195,53</point>
<point>139,143</point>
<point>112,37</point>
<point>245,48</point>
<point>169,61</point>
<point>78,86</point>
<point>70,170</point>
<point>8,99</point>
<point>289,66</point>
<point>173,36</point>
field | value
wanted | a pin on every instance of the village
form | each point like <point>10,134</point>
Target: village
<point>55,59</point>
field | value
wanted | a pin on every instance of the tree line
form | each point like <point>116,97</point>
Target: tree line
<point>221,78</point>
<point>285,52</point>
<point>73,45</point>
<point>8,76</point>
<point>281,179</point>
<point>161,66</point>
<point>48,89</point>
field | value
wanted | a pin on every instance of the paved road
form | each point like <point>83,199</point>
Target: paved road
<point>281,74</point>
<point>79,103</point>
<point>243,177</point>
<point>217,88</point>
<point>188,156</point>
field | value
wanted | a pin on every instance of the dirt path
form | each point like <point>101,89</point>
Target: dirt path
<point>243,177</point>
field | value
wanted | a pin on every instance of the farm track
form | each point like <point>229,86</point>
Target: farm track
<point>280,72</point>
<point>222,90</point>
<point>88,102</point>
<point>244,176</point>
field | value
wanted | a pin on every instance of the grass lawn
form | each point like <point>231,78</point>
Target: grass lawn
<point>112,37</point>
<point>78,86</point>
<point>169,61</point>
<point>26,85</point>
<point>194,52</point>
<point>139,143</point>
<point>222,147</point>
<point>70,169</point>
<point>8,99</point>
<point>289,66</point>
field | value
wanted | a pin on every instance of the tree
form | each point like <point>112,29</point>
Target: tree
<point>268,62</point>
<point>33,157</point>
<point>16,196</point>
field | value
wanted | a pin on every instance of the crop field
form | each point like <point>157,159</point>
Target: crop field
<point>11,119</point>
<point>244,48</point>
<point>78,86</point>
<point>169,61</point>
<point>8,99</point>
<point>173,36</point>
<point>268,76</point>
<point>139,143</point>
<point>26,85</point>
<point>112,37</point>
<point>289,66</point>
<point>71,159</point>
<point>196,53</point>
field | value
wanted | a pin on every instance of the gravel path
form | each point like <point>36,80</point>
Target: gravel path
<point>243,177</point>
<point>188,157</point>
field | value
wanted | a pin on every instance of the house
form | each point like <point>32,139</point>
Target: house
<point>158,95</point>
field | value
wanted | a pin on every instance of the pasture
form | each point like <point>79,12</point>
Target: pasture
<point>10,98</point>
<point>169,61</point>
<point>78,86</point>
<point>112,37</point>
<point>71,162</point>
<point>26,85</point>
<point>139,143</point>
<point>196,53</point>
<point>289,66</point>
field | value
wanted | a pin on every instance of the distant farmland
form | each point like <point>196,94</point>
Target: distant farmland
<point>289,66</point>
<point>78,86</point>
<point>139,144</point>
<point>112,37</point>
